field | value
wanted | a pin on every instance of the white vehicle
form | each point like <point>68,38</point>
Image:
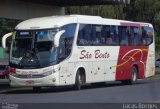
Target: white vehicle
<point>157,63</point>
<point>77,49</point>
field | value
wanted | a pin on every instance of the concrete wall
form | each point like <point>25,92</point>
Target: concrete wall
<point>78,2</point>
<point>25,9</point>
<point>20,10</point>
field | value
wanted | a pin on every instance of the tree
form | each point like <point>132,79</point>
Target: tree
<point>144,11</point>
<point>107,11</point>
<point>137,10</point>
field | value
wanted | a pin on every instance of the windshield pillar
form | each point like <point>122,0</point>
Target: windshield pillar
<point>66,41</point>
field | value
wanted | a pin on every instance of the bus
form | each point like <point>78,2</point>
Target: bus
<point>79,49</point>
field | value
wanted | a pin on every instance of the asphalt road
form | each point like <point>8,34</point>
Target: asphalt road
<point>145,91</point>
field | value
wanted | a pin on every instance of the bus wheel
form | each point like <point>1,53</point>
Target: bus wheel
<point>36,89</point>
<point>80,79</point>
<point>134,77</point>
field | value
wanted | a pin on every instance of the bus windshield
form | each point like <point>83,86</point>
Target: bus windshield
<point>33,48</point>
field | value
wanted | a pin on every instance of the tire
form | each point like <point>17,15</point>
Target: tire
<point>134,77</point>
<point>80,79</point>
<point>36,89</point>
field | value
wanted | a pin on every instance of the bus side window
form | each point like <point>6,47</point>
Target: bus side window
<point>80,40</point>
<point>66,40</point>
<point>123,35</point>
<point>109,41</point>
<point>103,35</point>
<point>107,35</point>
<point>97,38</point>
<point>147,35</point>
<point>87,34</point>
<point>114,35</point>
<point>132,36</point>
<point>84,35</point>
<point>94,37</point>
<point>137,36</point>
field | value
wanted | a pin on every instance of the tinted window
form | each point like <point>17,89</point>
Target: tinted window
<point>147,35</point>
<point>66,40</point>
<point>135,36</point>
<point>84,35</point>
<point>107,35</point>
<point>123,35</point>
<point>96,34</point>
<point>114,35</point>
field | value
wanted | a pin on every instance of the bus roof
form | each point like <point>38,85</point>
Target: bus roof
<point>57,21</point>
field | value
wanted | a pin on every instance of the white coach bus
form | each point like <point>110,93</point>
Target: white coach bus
<point>77,49</point>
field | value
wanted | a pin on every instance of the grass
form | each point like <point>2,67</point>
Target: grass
<point>156,76</point>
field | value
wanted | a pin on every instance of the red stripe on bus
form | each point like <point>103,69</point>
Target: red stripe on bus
<point>129,24</point>
<point>129,56</point>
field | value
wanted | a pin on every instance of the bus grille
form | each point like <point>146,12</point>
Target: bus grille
<point>29,76</point>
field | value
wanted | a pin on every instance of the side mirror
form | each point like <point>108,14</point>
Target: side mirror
<point>57,37</point>
<point>4,38</point>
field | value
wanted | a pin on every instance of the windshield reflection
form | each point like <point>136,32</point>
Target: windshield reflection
<point>31,49</point>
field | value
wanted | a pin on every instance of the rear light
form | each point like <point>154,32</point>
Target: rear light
<point>12,70</point>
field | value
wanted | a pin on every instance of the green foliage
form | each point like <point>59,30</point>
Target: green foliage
<point>3,25</point>
<point>109,11</point>
<point>144,11</point>
<point>137,10</point>
<point>157,40</point>
<point>157,48</point>
<point>7,25</point>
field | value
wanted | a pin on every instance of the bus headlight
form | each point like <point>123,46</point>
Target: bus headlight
<point>56,69</point>
<point>47,73</point>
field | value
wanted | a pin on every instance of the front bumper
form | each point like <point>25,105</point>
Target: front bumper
<point>50,80</point>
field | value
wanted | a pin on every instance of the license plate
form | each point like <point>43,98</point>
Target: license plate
<point>29,82</point>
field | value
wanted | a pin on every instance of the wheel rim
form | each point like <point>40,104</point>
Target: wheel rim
<point>134,75</point>
<point>80,79</point>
